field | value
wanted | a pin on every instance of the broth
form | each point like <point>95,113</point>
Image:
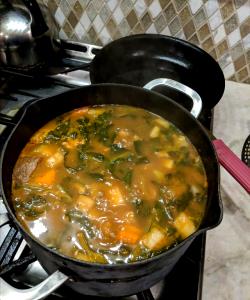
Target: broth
<point>109,184</point>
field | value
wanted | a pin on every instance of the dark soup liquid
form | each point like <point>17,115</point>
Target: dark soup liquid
<point>109,184</point>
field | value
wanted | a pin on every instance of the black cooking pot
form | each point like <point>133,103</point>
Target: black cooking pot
<point>104,279</point>
<point>138,59</point>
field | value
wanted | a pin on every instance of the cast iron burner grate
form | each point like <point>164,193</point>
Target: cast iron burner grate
<point>18,265</point>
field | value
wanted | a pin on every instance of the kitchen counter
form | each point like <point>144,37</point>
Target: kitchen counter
<point>227,263</point>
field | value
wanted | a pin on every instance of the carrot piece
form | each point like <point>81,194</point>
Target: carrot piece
<point>129,234</point>
<point>45,178</point>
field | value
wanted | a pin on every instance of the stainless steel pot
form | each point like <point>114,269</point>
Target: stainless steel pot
<point>27,36</point>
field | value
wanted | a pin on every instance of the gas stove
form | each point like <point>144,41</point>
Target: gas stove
<point>19,266</point>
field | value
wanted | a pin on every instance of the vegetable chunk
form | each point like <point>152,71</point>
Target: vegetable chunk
<point>155,132</point>
<point>184,225</point>
<point>129,234</point>
<point>46,178</point>
<point>155,239</point>
<point>24,168</point>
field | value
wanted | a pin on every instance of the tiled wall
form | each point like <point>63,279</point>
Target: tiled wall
<point>221,27</point>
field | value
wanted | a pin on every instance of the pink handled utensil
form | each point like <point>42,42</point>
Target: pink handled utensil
<point>233,164</point>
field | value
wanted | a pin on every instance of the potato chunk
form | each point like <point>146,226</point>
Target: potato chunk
<point>184,225</point>
<point>168,163</point>
<point>154,133</point>
<point>162,123</point>
<point>155,239</point>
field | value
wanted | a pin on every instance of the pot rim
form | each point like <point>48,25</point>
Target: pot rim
<point>23,112</point>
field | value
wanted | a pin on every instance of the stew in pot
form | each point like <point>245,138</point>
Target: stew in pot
<point>109,184</point>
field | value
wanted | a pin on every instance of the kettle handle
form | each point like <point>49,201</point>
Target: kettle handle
<point>36,13</point>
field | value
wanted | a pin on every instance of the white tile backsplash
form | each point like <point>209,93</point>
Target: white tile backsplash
<point>246,42</point>
<point>211,7</point>
<point>79,30</point>
<point>118,15</point>
<point>85,21</point>
<point>244,11</point>
<point>140,7</point>
<point>151,29</point>
<point>180,34</point>
<point>98,23</point>
<point>215,20</point>
<point>166,31</point>
<point>71,2</point>
<point>65,8</point>
<point>229,70</point>
<point>105,36</point>
<point>59,16</point>
<point>62,34</point>
<point>155,8</point>
<point>126,6</point>
<point>91,11</point>
<point>124,27</point>
<point>112,4</point>
<point>195,5</point>
<point>219,34</point>
<point>105,13</point>
<point>234,37</point>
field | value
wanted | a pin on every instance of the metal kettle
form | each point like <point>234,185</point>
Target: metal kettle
<point>28,38</point>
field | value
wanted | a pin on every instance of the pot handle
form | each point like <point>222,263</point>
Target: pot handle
<point>195,97</point>
<point>40,291</point>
